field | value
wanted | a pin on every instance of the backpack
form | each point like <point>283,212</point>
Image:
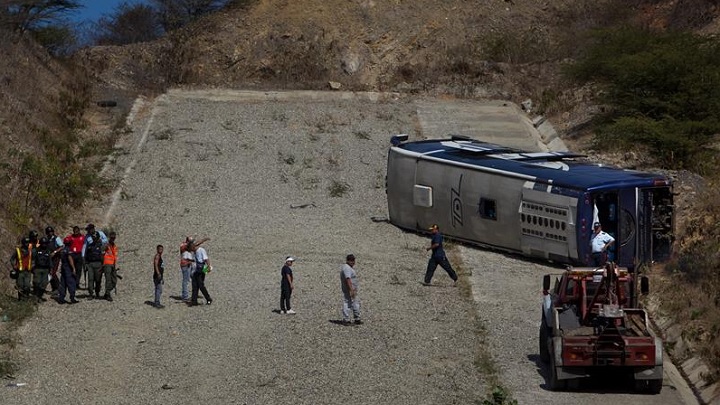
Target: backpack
<point>93,251</point>
<point>43,259</point>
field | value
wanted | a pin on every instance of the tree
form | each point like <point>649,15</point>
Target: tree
<point>58,39</point>
<point>129,23</point>
<point>27,15</point>
<point>174,14</point>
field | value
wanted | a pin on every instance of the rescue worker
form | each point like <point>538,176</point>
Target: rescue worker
<point>43,264</point>
<point>109,265</point>
<point>76,242</point>
<point>95,242</point>
<point>600,242</point>
<point>68,272</point>
<point>22,262</point>
<point>57,246</point>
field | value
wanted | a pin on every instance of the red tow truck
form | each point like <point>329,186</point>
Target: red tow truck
<point>591,324</point>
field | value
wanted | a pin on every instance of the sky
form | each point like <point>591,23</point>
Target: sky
<point>93,9</point>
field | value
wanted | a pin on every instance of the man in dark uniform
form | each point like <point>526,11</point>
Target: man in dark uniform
<point>438,257</point>
<point>68,274</point>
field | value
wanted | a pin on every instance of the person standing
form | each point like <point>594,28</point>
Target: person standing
<point>68,273</point>
<point>600,242</point>
<point>286,286</point>
<point>76,242</point>
<point>438,257</point>
<point>93,249</point>
<point>202,267</point>
<point>187,264</point>
<point>109,268</point>
<point>22,261</point>
<point>43,264</point>
<point>57,245</point>
<point>158,272</point>
<point>349,286</point>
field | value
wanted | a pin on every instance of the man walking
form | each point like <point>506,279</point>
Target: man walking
<point>600,241</point>
<point>438,257</point>
<point>68,272</point>
<point>286,286</point>
<point>57,246</point>
<point>93,250</point>
<point>76,243</point>
<point>349,286</point>
<point>109,268</point>
<point>202,266</point>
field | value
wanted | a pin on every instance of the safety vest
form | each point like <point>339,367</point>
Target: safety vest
<point>24,262</point>
<point>110,256</point>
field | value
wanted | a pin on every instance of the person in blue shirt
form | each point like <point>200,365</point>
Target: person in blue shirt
<point>438,257</point>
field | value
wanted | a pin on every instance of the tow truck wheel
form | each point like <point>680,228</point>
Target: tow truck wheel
<point>544,341</point>
<point>554,382</point>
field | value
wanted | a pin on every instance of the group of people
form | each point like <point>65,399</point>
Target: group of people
<point>194,266</point>
<point>63,262</point>
<point>349,280</point>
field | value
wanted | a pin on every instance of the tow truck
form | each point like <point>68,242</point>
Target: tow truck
<point>591,324</point>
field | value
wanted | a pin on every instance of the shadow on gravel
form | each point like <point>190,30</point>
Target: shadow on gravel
<point>609,382</point>
<point>176,298</point>
<point>341,323</point>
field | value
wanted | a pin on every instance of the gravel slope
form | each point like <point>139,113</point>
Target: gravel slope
<point>233,170</point>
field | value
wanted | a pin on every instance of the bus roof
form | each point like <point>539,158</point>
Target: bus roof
<point>556,168</point>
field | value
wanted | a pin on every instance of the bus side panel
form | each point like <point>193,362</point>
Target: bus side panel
<point>400,183</point>
<point>489,206</point>
<point>443,180</point>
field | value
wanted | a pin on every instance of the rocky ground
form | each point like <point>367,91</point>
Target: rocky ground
<point>267,177</point>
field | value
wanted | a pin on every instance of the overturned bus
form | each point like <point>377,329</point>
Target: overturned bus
<point>539,204</point>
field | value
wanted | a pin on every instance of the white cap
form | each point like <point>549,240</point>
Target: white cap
<point>289,259</point>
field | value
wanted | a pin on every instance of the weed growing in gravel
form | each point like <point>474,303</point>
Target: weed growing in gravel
<point>288,160</point>
<point>364,135</point>
<point>484,362</point>
<point>164,135</point>
<point>338,188</point>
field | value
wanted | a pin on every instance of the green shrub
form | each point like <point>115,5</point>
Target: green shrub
<point>662,91</point>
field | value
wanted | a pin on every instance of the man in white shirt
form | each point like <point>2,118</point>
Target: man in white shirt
<point>600,242</point>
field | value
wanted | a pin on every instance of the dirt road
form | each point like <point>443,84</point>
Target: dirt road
<point>267,176</point>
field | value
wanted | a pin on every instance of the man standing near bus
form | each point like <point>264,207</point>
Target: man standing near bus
<point>600,242</point>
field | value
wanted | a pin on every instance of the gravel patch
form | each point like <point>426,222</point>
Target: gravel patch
<point>232,171</point>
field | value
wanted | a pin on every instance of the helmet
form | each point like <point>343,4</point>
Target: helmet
<point>49,229</point>
<point>33,234</point>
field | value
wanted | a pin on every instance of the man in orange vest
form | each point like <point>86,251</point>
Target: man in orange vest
<point>109,265</point>
<point>22,261</point>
